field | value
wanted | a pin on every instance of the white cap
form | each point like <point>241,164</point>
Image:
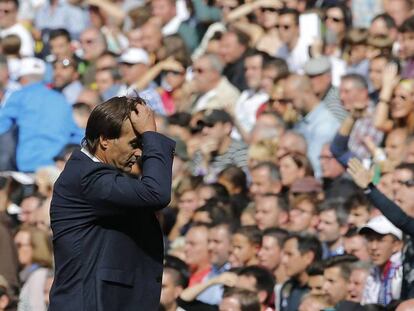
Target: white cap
<point>31,66</point>
<point>134,56</point>
<point>380,224</point>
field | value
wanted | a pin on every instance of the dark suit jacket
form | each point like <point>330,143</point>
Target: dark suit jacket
<point>107,242</point>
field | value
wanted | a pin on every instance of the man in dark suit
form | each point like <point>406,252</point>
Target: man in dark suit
<point>107,242</point>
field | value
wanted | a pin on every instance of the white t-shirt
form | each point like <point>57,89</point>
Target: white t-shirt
<point>27,42</point>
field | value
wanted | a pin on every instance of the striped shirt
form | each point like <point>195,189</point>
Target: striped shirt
<point>332,101</point>
<point>235,155</point>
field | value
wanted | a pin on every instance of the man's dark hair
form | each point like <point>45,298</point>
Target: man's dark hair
<point>180,118</point>
<point>183,274</point>
<point>236,176</point>
<point>356,200</point>
<point>252,233</point>
<point>407,25</point>
<point>290,11</point>
<point>406,166</point>
<point>59,32</point>
<point>353,231</point>
<point>217,211</point>
<point>316,268</point>
<point>279,64</point>
<point>336,205</point>
<point>242,37</point>
<point>307,243</point>
<point>254,52</point>
<point>343,262</point>
<point>107,118</point>
<point>265,281</point>
<point>388,20</point>
<point>280,235</point>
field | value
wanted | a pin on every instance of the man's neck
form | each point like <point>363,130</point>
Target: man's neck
<point>334,245</point>
<point>172,307</point>
<point>303,278</point>
<point>225,144</point>
<point>292,44</point>
<point>280,275</point>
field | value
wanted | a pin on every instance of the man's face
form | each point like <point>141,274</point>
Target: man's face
<point>270,253</point>
<point>358,216</point>
<point>219,245</point>
<point>269,75</point>
<point>63,74</point>
<point>376,68</point>
<point>169,291</point>
<point>28,207</point>
<point>328,227</point>
<point>378,28</point>
<point>104,80</point>
<point>151,37</point>
<point>381,247</point>
<point>253,71</point>
<point>267,212</point>
<point>315,283</point>
<point>293,261</point>
<point>163,9</point>
<point>398,9</point>
<point>302,216</point>
<point>230,304</point>
<point>8,14</point>
<point>261,183</point>
<point>242,251</point>
<point>60,47</point>
<point>132,72</point>
<point>351,96</point>
<point>403,193</point>
<point>92,45</point>
<point>335,285</point>
<point>188,201</point>
<point>356,285</point>
<point>321,83</point>
<point>287,28</point>
<point>293,97</point>
<point>406,41</point>
<point>331,168</point>
<point>230,48</point>
<point>357,246</point>
<point>196,246</point>
<point>124,151</point>
<point>205,77</point>
<point>409,155</point>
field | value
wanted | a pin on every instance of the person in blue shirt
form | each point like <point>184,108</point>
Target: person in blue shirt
<point>43,117</point>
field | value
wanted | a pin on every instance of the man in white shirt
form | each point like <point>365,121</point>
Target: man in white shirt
<point>10,26</point>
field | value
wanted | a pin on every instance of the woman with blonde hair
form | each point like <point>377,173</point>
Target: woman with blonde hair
<point>263,150</point>
<point>395,108</point>
<point>35,258</point>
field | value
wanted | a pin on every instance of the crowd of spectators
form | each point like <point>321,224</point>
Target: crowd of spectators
<point>293,177</point>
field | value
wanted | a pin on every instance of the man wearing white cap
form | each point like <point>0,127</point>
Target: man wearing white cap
<point>384,247</point>
<point>134,63</point>
<point>43,118</point>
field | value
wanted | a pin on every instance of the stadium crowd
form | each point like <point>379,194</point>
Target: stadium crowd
<point>293,177</point>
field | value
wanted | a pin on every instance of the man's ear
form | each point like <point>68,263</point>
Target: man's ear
<point>103,142</point>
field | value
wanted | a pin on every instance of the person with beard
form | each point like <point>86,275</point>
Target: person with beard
<point>66,79</point>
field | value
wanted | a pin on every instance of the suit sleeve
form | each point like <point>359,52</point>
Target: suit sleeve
<point>112,192</point>
<point>392,211</point>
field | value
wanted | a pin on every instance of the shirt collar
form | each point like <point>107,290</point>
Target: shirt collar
<point>90,155</point>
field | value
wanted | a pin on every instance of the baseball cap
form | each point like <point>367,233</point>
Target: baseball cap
<point>31,66</point>
<point>134,56</point>
<point>380,224</point>
<point>317,66</point>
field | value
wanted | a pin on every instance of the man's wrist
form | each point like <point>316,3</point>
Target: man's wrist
<point>367,189</point>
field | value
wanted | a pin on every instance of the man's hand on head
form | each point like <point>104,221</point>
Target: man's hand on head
<point>143,119</point>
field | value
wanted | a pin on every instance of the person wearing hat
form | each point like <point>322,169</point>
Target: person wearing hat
<point>43,118</point>
<point>218,149</point>
<point>319,70</point>
<point>134,63</point>
<point>384,247</point>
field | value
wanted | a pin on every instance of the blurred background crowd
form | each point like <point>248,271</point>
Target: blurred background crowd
<point>294,120</point>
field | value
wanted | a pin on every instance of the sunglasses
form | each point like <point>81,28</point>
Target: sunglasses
<point>271,10</point>
<point>334,19</point>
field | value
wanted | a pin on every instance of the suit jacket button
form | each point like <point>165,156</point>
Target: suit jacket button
<point>158,279</point>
